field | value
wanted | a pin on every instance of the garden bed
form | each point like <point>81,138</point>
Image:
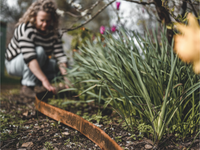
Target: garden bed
<point>22,127</point>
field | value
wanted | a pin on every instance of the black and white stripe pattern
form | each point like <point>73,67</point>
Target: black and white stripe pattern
<point>27,37</point>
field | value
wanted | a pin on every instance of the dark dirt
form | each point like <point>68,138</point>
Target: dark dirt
<point>38,132</point>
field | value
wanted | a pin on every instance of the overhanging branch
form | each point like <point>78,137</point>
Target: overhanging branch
<point>193,8</point>
<point>138,2</point>
<point>99,11</point>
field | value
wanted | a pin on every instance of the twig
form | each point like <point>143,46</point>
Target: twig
<point>73,15</point>
<point>171,14</point>
<point>8,143</point>
<point>95,4</point>
<point>70,29</point>
<point>193,8</point>
<point>142,3</point>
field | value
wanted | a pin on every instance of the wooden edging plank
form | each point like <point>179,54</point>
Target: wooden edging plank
<point>88,129</point>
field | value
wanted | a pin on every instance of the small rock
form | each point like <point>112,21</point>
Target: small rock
<point>33,112</point>
<point>55,148</point>
<point>147,146</point>
<point>65,133</point>
<point>129,144</point>
<point>28,144</point>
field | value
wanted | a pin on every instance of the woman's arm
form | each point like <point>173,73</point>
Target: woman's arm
<point>35,68</point>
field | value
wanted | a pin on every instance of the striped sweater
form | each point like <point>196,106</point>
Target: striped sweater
<point>27,37</point>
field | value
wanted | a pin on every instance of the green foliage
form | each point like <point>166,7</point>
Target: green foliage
<point>118,139</point>
<point>145,128</point>
<point>67,142</point>
<point>144,84</point>
<point>48,145</point>
<point>80,36</point>
<point>9,121</point>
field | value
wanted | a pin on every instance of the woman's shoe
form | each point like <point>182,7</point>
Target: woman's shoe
<point>28,91</point>
<point>39,89</point>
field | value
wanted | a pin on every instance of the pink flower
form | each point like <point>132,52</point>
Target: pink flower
<point>142,10</point>
<point>113,28</point>
<point>102,29</point>
<point>118,4</point>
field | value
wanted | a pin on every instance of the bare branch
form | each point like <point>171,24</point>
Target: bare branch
<point>184,7</point>
<point>95,4</point>
<point>100,10</point>
<point>73,15</point>
<point>193,8</point>
<point>173,16</point>
<point>142,3</point>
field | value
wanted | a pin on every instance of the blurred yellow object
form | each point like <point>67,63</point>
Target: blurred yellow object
<point>187,44</point>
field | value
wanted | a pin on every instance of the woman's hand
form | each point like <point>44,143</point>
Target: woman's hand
<point>48,86</point>
<point>35,68</point>
<point>62,67</point>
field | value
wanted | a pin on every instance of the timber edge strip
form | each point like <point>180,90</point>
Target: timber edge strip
<point>88,129</point>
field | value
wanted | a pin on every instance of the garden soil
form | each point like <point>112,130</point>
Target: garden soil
<point>24,128</point>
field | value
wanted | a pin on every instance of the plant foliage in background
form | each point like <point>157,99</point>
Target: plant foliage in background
<point>143,80</point>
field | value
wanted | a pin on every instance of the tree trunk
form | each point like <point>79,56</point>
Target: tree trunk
<point>164,16</point>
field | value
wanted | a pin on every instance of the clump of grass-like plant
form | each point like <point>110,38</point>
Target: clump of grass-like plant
<point>144,84</point>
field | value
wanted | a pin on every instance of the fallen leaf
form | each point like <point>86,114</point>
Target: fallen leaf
<point>37,127</point>
<point>17,145</point>
<point>148,141</point>
<point>25,114</point>
<point>28,144</point>
<point>40,138</point>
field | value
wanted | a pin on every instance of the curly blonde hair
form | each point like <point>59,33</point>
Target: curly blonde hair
<point>48,6</point>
